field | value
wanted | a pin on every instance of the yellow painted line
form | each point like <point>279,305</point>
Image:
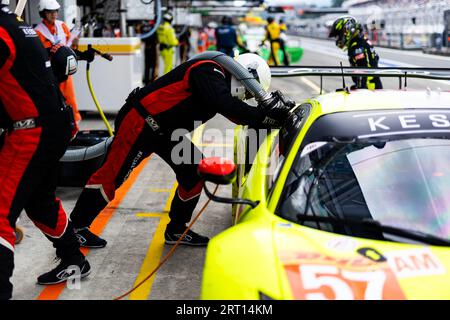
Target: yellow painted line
<point>154,252</point>
<point>156,248</point>
<point>160,190</point>
<point>172,194</point>
<point>150,215</point>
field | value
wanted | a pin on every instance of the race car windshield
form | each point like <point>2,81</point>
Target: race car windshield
<point>398,183</point>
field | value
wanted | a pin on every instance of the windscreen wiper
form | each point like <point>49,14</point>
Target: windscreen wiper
<point>377,226</point>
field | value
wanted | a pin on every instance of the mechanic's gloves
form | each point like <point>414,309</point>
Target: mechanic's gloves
<point>277,110</point>
<point>88,55</point>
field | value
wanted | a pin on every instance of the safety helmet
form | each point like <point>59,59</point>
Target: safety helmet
<point>168,17</point>
<point>64,62</point>
<point>258,67</point>
<point>6,2</point>
<point>48,5</point>
<point>344,29</point>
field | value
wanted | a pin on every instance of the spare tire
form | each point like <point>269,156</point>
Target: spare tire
<point>76,171</point>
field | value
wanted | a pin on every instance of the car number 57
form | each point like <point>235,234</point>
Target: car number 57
<point>327,282</point>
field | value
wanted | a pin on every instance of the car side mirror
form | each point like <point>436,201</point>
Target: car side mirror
<point>217,170</point>
<point>220,171</point>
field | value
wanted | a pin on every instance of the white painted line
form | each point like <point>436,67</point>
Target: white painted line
<point>312,85</point>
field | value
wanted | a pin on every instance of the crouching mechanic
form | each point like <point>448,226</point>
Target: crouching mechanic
<point>361,53</point>
<point>38,130</point>
<point>194,91</point>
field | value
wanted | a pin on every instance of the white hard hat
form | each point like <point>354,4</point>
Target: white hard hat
<point>48,5</point>
<point>258,67</point>
<point>4,2</point>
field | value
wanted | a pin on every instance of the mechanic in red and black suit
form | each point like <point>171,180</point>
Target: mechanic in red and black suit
<point>38,130</point>
<point>194,91</point>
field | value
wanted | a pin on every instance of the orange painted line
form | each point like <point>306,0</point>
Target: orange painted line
<point>54,291</point>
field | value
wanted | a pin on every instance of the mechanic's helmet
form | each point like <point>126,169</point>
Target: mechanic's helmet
<point>168,17</point>
<point>227,21</point>
<point>50,5</point>
<point>258,67</point>
<point>64,63</point>
<point>343,30</point>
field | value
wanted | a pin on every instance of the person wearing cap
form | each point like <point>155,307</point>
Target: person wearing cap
<point>167,41</point>
<point>194,91</point>
<point>53,34</point>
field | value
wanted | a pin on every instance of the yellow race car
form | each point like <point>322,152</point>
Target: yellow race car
<point>351,200</point>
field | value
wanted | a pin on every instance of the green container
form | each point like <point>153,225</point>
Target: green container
<point>295,54</point>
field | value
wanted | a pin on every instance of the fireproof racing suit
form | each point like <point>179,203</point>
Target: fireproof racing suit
<point>194,91</point>
<point>38,132</point>
<point>361,53</point>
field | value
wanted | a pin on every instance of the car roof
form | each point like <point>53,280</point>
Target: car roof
<point>361,100</point>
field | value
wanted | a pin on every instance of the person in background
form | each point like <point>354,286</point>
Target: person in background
<point>202,41</point>
<point>361,53</point>
<point>226,37</point>
<point>167,41</point>
<point>38,128</point>
<point>283,39</point>
<point>54,33</point>
<point>150,53</point>
<point>273,32</point>
<point>211,36</point>
<point>185,45</point>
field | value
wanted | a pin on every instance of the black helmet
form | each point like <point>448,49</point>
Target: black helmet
<point>270,19</point>
<point>344,29</point>
<point>64,62</point>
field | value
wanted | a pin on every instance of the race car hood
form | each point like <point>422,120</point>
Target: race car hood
<point>322,265</point>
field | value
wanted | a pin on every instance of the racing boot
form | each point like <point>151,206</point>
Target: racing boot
<point>72,263</point>
<point>173,234</point>
<point>75,267</point>
<point>89,240</point>
<point>182,206</point>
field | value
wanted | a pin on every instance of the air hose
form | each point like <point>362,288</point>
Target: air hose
<point>170,253</point>
<point>91,89</point>
<point>237,70</point>
<point>87,153</point>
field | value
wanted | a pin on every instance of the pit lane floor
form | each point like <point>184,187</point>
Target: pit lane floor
<point>134,222</point>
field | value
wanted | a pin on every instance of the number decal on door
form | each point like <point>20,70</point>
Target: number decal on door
<point>328,282</point>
